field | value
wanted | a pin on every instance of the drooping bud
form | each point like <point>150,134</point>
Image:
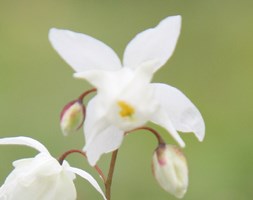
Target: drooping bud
<point>72,117</point>
<point>170,169</point>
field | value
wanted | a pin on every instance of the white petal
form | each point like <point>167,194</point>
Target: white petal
<point>40,178</point>
<point>88,177</point>
<point>107,81</point>
<point>95,120</point>
<point>26,141</point>
<point>105,141</point>
<point>184,116</point>
<point>100,136</point>
<point>153,44</point>
<point>83,52</point>
<point>95,77</point>
<point>63,188</point>
<point>44,164</point>
<point>161,118</point>
<point>145,71</point>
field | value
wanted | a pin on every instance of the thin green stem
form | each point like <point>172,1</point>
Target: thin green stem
<point>108,182</point>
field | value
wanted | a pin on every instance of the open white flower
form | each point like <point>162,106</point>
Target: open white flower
<point>41,177</point>
<point>126,99</point>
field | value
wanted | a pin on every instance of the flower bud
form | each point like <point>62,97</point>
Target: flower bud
<point>72,117</point>
<point>170,169</point>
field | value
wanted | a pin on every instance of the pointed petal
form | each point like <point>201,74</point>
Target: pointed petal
<point>100,137</point>
<point>105,141</point>
<point>83,52</point>
<point>88,177</point>
<point>95,119</point>
<point>95,77</point>
<point>145,71</point>
<point>153,44</point>
<point>184,116</point>
<point>26,141</point>
<point>161,118</point>
<point>106,81</point>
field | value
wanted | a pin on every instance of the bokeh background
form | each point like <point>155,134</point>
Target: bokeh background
<point>212,65</point>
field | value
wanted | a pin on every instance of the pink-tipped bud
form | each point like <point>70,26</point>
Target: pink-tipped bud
<point>170,169</point>
<point>72,117</point>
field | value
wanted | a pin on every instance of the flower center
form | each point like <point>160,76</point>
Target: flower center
<point>126,110</point>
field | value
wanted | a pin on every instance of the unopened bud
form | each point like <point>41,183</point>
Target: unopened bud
<point>72,117</point>
<point>170,169</point>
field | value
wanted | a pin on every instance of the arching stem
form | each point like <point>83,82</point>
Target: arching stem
<point>81,97</point>
<point>67,153</point>
<point>108,182</point>
<point>151,130</point>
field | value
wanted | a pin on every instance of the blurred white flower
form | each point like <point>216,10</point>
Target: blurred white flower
<point>170,169</point>
<point>41,177</point>
<point>125,97</point>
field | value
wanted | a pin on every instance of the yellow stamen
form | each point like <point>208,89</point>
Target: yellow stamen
<point>125,109</point>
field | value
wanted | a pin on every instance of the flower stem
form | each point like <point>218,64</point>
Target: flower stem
<point>108,182</point>
<point>153,131</point>
<point>67,153</point>
<point>81,97</point>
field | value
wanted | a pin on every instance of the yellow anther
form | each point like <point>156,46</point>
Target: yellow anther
<point>125,109</point>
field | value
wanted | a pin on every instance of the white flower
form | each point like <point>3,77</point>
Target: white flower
<point>41,177</point>
<point>126,99</point>
<point>170,169</point>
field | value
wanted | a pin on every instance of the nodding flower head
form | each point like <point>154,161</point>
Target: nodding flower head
<point>41,177</point>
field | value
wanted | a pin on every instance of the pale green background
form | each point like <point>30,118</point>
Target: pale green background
<point>212,64</point>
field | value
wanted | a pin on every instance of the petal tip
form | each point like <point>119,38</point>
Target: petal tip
<point>200,133</point>
<point>201,136</point>
<point>175,18</point>
<point>178,17</point>
<point>51,32</point>
<point>77,75</point>
<point>182,145</point>
<point>92,160</point>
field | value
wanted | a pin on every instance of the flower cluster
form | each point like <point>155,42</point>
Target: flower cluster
<point>125,101</point>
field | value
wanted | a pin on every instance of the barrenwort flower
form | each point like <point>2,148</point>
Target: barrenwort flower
<point>170,169</point>
<point>41,177</point>
<point>125,97</point>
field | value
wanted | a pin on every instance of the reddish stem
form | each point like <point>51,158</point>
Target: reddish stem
<point>108,182</point>
<point>81,97</point>
<point>67,153</point>
<point>153,131</point>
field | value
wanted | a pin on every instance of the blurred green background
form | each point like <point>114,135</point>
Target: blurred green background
<point>212,65</point>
